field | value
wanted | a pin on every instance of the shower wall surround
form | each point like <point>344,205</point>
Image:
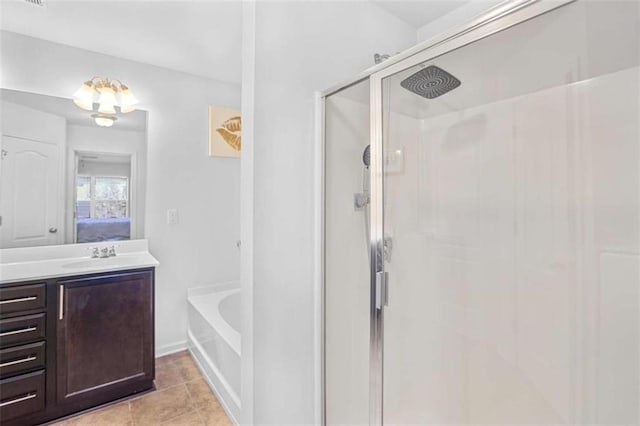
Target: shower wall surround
<point>482,286</point>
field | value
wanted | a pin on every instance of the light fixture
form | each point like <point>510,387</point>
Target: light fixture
<point>127,100</point>
<point>104,120</point>
<point>111,96</point>
<point>107,100</point>
<point>83,97</point>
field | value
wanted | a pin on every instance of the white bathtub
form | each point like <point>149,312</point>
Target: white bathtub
<point>214,341</point>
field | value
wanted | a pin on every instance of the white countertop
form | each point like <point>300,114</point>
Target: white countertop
<point>34,263</point>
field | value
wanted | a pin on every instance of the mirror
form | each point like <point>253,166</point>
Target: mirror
<point>65,180</point>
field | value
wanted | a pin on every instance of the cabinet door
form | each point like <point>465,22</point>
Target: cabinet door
<point>105,336</point>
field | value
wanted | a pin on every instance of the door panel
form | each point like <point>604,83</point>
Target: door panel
<point>511,211</point>
<point>30,197</point>
<point>347,291</point>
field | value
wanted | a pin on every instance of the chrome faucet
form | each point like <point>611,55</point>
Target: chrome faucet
<point>104,252</point>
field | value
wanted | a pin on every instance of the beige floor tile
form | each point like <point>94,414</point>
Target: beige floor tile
<point>175,356</point>
<point>183,398</point>
<point>214,416</point>
<point>168,374</point>
<point>118,414</point>
<point>164,360</point>
<point>187,368</point>
<point>201,394</point>
<point>190,419</point>
<point>162,405</point>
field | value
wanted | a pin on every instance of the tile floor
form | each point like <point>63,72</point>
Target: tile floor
<point>181,398</point>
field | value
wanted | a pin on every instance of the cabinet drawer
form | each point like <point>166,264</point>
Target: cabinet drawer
<point>20,359</point>
<point>21,395</point>
<point>17,330</point>
<point>22,298</point>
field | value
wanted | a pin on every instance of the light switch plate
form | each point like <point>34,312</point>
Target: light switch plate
<point>172,217</point>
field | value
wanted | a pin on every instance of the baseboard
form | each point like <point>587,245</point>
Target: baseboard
<point>171,348</point>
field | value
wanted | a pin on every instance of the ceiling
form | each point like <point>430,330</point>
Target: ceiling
<point>419,12</point>
<point>136,120</point>
<point>196,37</point>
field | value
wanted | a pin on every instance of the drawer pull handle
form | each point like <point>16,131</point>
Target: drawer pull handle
<point>61,313</point>
<point>15,401</point>
<point>22,299</point>
<point>18,361</point>
<point>22,330</point>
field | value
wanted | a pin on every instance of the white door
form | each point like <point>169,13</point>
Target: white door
<point>29,197</point>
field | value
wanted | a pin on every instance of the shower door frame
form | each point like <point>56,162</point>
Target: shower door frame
<point>499,18</point>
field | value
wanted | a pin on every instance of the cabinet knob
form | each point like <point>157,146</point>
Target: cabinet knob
<point>53,230</point>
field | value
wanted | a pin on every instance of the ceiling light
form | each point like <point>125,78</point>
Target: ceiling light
<point>107,100</point>
<point>127,100</point>
<point>107,94</point>
<point>104,120</point>
<point>83,97</point>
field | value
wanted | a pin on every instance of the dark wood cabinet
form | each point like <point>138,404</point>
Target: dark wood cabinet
<point>22,396</point>
<point>74,343</point>
<point>105,334</point>
<point>23,351</point>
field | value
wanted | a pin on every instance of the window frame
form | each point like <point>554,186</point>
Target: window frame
<point>92,192</point>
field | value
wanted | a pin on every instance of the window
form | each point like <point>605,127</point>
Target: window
<point>102,197</point>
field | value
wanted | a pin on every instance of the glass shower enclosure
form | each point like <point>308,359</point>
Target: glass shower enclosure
<point>482,225</point>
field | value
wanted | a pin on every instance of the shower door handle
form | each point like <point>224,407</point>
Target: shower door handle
<point>382,289</point>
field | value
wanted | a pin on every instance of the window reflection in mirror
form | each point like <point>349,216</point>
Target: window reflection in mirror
<point>66,180</point>
<point>102,198</point>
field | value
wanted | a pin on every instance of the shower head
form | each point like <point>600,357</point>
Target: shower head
<point>430,82</point>
<point>366,158</point>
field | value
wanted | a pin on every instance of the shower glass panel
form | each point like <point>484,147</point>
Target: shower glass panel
<point>346,298</point>
<point>511,221</point>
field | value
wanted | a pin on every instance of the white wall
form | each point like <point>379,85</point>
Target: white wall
<point>299,48</point>
<point>22,121</point>
<point>201,248</point>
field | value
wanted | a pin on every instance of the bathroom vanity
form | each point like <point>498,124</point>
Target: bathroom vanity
<point>79,335</point>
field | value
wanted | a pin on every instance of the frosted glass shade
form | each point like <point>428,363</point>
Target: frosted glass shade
<point>127,101</point>
<point>107,101</point>
<point>103,120</point>
<point>83,97</point>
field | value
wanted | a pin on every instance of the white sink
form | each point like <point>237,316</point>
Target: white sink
<point>35,263</point>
